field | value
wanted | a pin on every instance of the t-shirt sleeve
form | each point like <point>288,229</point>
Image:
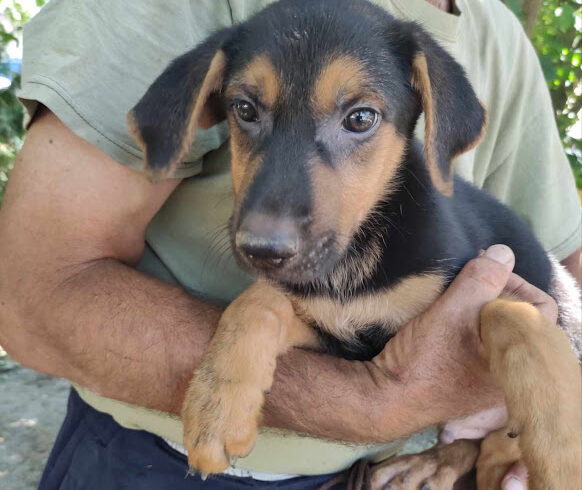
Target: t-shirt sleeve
<point>90,62</point>
<point>529,170</point>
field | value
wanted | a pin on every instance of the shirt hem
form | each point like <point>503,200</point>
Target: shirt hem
<point>569,245</point>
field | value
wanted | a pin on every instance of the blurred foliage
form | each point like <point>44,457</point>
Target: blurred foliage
<point>13,15</point>
<point>549,23</point>
<point>558,44</point>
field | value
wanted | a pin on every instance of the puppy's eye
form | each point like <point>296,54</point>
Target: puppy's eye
<point>360,120</point>
<point>245,110</point>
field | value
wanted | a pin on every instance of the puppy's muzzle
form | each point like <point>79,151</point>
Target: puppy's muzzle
<point>267,241</point>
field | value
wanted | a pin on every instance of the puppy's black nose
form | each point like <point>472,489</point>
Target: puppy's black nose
<point>267,240</point>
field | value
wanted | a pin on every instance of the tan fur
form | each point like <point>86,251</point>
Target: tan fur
<point>364,185</point>
<point>497,455</point>
<point>540,375</point>
<point>243,166</point>
<point>421,81</point>
<point>531,358</point>
<point>391,308</point>
<point>533,361</point>
<point>132,124</point>
<point>261,78</point>
<point>352,272</point>
<point>223,403</point>
<point>345,196</point>
<point>344,78</point>
<point>200,118</point>
<point>327,196</point>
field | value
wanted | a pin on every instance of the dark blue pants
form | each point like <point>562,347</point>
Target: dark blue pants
<point>93,452</point>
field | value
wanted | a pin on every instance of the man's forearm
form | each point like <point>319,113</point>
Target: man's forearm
<point>339,399</point>
<point>121,333</point>
<point>136,339</point>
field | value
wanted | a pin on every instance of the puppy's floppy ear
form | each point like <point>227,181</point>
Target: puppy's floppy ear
<point>184,97</point>
<point>455,119</point>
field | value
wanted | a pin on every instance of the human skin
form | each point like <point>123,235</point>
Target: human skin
<point>441,4</point>
<point>72,226</point>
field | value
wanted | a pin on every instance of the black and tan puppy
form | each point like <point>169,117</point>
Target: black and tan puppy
<point>352,227</point>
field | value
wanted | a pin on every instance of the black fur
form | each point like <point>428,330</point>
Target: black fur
<point>422,229</point>
<point>425,231</point>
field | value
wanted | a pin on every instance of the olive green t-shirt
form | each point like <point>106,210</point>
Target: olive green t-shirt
<point>90,62</point>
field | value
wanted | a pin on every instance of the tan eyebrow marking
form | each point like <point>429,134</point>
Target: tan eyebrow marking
<point>343,78</point>
<point>259,76</point>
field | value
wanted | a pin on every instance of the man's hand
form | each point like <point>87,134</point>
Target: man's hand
<point>73,222</point>
<point>430,372</point>
<point>479,425</point>
<point>437,353</point>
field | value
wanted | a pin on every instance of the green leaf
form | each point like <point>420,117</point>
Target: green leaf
<point>565,21</point>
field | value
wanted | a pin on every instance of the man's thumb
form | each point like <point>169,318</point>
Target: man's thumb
<point>480,281</point>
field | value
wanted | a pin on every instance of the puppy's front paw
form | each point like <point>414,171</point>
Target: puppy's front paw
<point>220,417</point>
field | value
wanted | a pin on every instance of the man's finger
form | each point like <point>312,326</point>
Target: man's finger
<point>516,478</point>
<point>474,426</point>
<point>479,282</point>
<point>524,291</point>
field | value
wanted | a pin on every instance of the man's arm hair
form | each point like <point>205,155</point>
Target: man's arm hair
<point>72,227</point>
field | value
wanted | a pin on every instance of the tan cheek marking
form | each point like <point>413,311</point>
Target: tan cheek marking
<point>343,76</point>
<point>243,165</point>
<point>367,177</point>
<point>327,193</point>
<point>393,307</point>
<point>238,156</point>
<point>344,196</point>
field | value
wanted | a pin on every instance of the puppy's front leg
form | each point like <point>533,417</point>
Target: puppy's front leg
<point>540,375</point>
<point>223,404</point>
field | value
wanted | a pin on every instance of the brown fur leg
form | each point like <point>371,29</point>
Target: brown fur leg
<point>224,400</point>
<point>498,454</point>
<point>436,469</point>
<point>539,372</point>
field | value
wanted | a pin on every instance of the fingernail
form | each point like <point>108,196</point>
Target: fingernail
<point>447,437</point>
<point>513,484</point>
<point>500,253</point>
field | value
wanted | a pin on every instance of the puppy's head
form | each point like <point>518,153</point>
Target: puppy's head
<point>321,97</point>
